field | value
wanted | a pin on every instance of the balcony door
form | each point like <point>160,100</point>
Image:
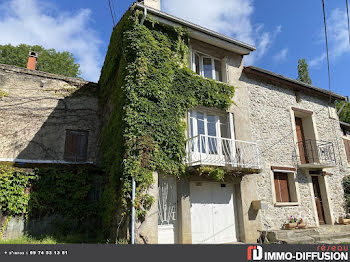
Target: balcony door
<point>206,131</point>
<point>301,140</point>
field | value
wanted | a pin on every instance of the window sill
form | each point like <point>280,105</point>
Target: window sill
<point>282,204</point>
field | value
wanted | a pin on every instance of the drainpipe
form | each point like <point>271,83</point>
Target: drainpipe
<point>133,211</point>
<point>133,179</point>
<point>341,109</point>
<point>144,15</point>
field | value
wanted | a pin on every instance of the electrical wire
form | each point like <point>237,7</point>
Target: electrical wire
<point>325,33</point>
<point>110,8</point>
<point>347,11</point>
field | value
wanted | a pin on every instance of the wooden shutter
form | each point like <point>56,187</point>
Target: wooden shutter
<point>281,187</point>
<point>76,146</point>
<point>347,148</point>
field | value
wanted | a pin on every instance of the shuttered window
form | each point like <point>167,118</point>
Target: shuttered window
<point>281,187</point>
<point>347,148</point>
<point>76,146</point>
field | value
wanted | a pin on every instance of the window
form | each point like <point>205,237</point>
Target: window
<point>76,146</point>
<point>285,187</point>
<point>281,187</point>
<point>207,66</point>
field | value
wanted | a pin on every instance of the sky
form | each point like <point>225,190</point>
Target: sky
<point>281,31</point>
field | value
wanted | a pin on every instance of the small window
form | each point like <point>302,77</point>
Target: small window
<point>282,187</point>
<point>207,66</point>
<point>76,146</point>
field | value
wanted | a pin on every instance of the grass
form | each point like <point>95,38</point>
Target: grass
<point>30,240</point>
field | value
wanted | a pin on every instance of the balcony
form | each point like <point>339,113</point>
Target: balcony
<point>215,151</point>
<point>315,154</point>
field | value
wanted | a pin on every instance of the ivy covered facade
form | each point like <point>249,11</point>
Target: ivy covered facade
<point>218,150</point>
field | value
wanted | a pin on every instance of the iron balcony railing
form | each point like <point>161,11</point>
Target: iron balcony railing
<point>210,150</point>
<point>316,152</point>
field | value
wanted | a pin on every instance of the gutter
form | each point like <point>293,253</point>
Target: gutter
<point>195,27</point>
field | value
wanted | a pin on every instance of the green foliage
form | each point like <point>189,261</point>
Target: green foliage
<point>49,60</point>
<point>303,72</point>
<point>2,94</point>
<point>47,191</point>
<point>213,172</point>
<point>344,115</point>
<point>346,186</point>
<point>13,182</point>
<point>63,191</point>
<point>29,240</point>
<point>148,88</point>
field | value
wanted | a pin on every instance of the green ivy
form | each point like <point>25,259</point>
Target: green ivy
<point>13,182</point>
<point>48,191</point>
<point>147,89</point>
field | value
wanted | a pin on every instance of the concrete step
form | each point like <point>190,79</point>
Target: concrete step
<point>285,234</point>
<point>330,236</point>
<point>298,240</point>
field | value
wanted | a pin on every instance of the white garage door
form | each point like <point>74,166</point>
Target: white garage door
<point>212,213</point>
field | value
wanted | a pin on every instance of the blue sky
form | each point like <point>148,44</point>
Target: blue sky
<point>282,31</point>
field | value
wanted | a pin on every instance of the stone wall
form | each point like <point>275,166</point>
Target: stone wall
<point>38,108</point>
<point>274,131</point>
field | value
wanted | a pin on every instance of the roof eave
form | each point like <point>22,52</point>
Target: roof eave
<point>201,33</point>
<point>252,70</point>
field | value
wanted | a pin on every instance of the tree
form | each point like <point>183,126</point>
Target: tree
<point>344,116</point>
<point>303,72</point>
<point>50,61</point>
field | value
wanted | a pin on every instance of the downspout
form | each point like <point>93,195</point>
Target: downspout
<point>341,109</point>
<point>133,211</point>
<point>144,15</point>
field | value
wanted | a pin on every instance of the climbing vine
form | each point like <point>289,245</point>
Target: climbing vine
<point>48,191</point>
<point>146,88</point>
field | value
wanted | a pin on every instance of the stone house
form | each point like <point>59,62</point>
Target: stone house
<point>280,140</point>
<point>47,118</point>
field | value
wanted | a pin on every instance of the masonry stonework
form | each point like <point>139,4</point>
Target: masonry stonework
<point>273,130</point>
<point>38,109</point>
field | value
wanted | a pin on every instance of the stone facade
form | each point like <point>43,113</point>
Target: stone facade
<point>36,111</point>
<point>273,129</point>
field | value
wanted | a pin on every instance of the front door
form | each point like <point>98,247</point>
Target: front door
<point>318,199</point>
<point>301,140</point>
<point>167,201</point>
<point>212,213</point>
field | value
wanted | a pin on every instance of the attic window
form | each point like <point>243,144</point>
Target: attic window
<point>207,66</point>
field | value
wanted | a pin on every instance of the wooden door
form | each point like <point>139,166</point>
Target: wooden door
<point>301,140</point>
<point>318,199</point>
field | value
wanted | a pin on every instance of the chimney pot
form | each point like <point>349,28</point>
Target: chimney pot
<point>155,4</point>
<point>32,60</point>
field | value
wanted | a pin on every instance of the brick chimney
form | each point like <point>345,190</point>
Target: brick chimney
<point>155,4</point>
<point>32,60</point>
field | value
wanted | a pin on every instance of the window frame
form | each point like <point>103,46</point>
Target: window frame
<point>293,188</point>
<point>202,56</point>
<point>68,156</point>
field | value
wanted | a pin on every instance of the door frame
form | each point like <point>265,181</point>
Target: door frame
<point>327,207</point>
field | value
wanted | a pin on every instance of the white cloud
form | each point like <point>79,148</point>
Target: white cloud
<point>37,23</point>
<point>281,55</point>
<point>338,38</point>
<point>232,18</point>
